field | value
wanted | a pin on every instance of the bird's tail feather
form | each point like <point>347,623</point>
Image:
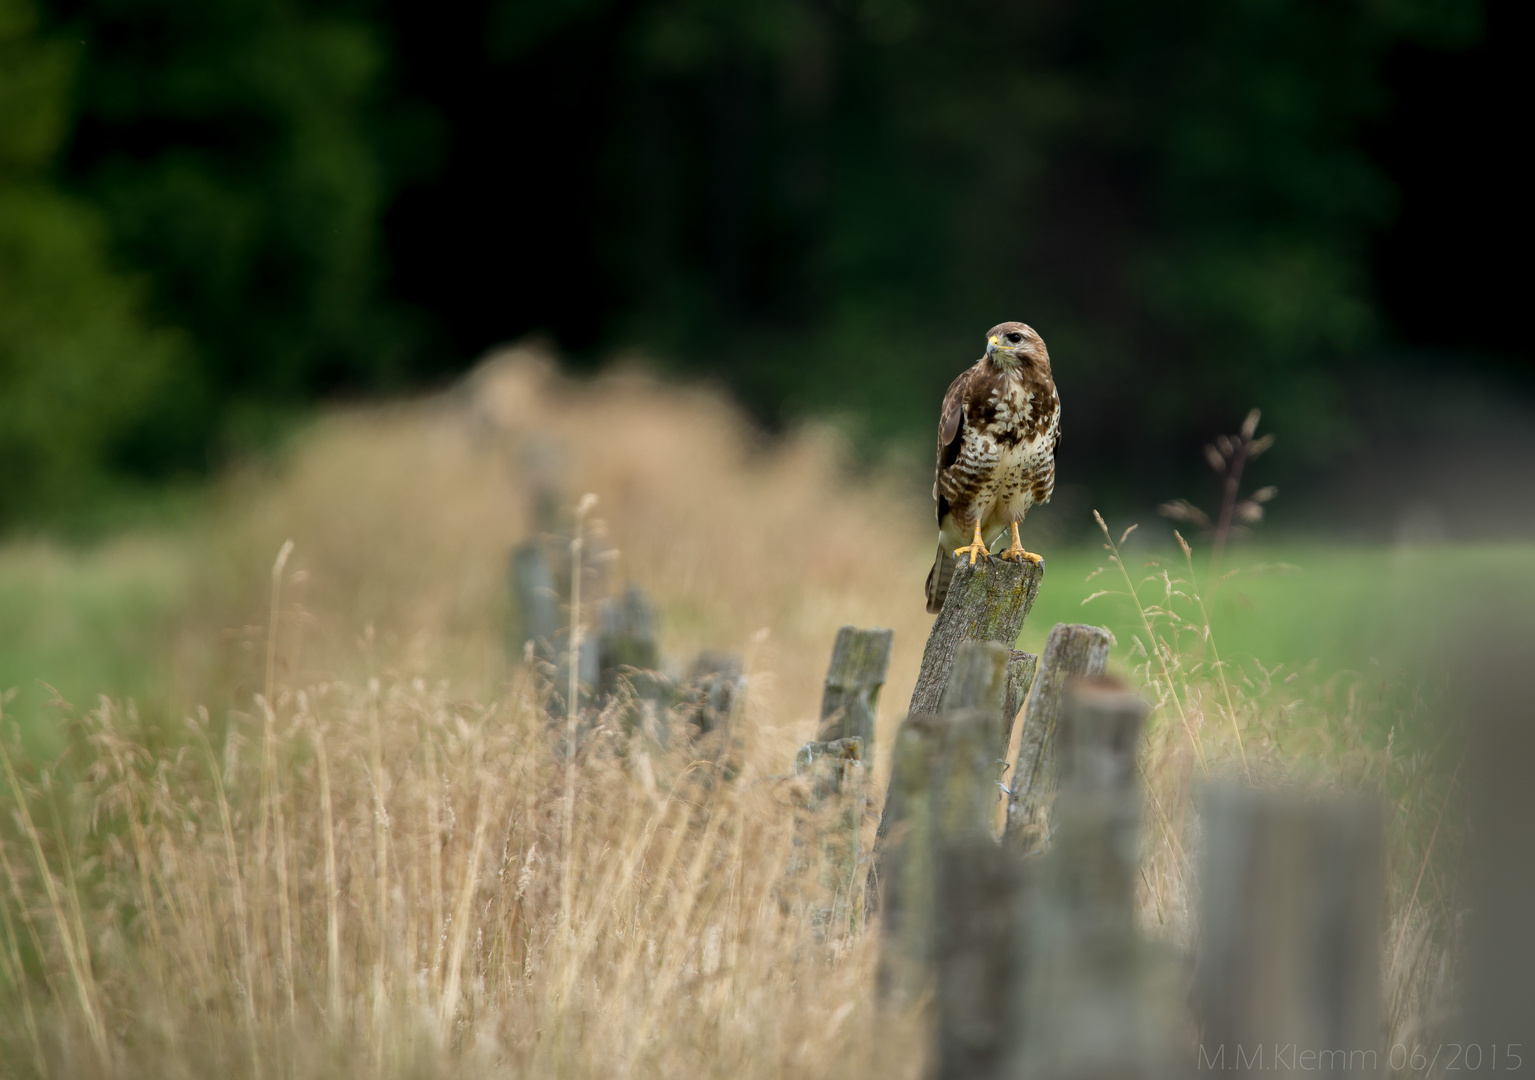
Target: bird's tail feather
<point>938,579</point>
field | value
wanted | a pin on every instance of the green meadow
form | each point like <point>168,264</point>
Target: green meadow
<point>76,623</point>
<point>1315,606</point>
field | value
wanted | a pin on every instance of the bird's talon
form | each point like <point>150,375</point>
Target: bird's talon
<point>973,551</point>
<point>1016,553</point>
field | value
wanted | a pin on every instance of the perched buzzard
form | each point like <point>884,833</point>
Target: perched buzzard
<point>996,451</point>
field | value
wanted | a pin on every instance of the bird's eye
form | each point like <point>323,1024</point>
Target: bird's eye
<point>1014,338</point>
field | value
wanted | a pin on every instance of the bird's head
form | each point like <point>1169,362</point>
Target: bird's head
<point>1014,345</point>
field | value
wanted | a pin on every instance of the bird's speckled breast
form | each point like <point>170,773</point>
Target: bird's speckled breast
<point>1006,461</point>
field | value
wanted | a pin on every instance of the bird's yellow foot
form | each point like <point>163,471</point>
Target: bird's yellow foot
<point>1015,552</point>
<point>976,548</point>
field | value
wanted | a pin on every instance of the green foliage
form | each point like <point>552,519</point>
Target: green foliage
<point>191,231</point>
<point>1175,194</point>
<point>78,623</point>
<point>237,153</point>
<point>80,364</point>
<point>821,204</point>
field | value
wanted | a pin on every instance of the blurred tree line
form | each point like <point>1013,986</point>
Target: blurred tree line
<point>212,211</point>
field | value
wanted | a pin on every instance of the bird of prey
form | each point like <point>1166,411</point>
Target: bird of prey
<point>997,434</point>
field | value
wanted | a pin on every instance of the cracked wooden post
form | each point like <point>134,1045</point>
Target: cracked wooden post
<point>860,660</point>
<point>975,887</point>
<point>985,603</point>
<point>1021,669</point>
<point>937,822</point>
<point>1289,939</point>
<point>836,761</point>
<point>1071,651</point>
<point>1090,997</point>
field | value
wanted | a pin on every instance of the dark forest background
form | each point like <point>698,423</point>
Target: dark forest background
<point>215,213</point>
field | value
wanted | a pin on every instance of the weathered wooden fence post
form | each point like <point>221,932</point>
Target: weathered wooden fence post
<point>943,789</point>
<point>535,602</point>
<point>626,638</point>
<point>860,660</point>
<point>975,888</point>
<point>1071,651</point>
<point>1498,654</point>
<point>715,682</point>
<point>1289,941</point>
<point>1021,669</point>
<point>1090,997</point>
<point>985,603</point>
<point>836,761</point>
<point>628,654</point>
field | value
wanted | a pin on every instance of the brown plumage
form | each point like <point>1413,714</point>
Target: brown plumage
<point>997,435</point>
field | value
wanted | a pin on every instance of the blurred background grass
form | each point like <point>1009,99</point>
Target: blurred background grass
<point>102,620</point>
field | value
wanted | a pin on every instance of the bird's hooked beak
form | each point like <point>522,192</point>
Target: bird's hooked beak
<point>992,345</point>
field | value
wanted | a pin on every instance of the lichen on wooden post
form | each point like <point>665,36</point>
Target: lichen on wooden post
<point>975,883</point>
<point>1071,651</point>
<point>986,602</point>
<point>943,789</point>
<point>1021,668</point>
<point>978,679</point>
<point>835,763</point>
<point>860,660</point>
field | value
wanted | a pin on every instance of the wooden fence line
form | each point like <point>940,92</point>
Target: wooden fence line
<point>1029,947</point>
<point>1026,941</point>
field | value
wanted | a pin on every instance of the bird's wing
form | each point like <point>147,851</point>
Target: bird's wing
<point>950,424</point>
<point>1044,483</point>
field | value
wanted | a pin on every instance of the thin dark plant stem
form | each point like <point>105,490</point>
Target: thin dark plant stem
<point>1228,508</point>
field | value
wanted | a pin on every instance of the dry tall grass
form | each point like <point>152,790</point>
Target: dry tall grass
<point>356,861</point>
